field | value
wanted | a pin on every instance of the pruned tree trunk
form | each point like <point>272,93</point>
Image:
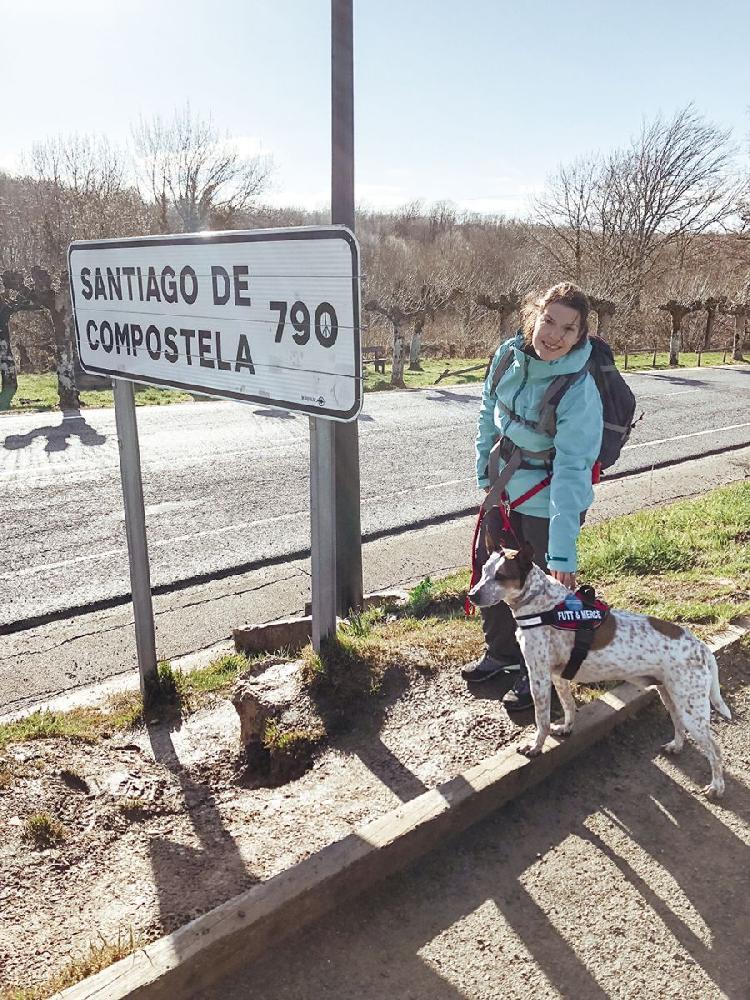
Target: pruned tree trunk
<point>57,302</point>
<point>604,321</point>
<point>8,376</point>
<point>506,323</point>
<point>739,327</point>
<point>675,340</point>
<point>416,347</point>
<point>8,373</point>
<point>397,371</point>
<point>709,329</point>
<point>677,312</point>
<point>24,359</point>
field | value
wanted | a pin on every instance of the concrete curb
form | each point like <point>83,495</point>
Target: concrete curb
<point>199,954</point>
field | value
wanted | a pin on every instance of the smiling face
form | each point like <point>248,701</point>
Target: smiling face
<point>556,331</point>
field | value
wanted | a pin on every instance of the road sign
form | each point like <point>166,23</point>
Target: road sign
<point>269,316</point>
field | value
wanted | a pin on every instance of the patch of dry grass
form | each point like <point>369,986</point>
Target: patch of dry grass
<point>101,954</point>
<point>43,830</point>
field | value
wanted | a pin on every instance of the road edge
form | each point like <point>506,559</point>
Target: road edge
<point>200,953</point>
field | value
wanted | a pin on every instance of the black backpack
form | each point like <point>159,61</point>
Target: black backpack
<point>618,401</point>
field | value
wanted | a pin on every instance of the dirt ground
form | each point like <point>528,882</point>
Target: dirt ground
<point>612,880</point>
<point>158,830</point>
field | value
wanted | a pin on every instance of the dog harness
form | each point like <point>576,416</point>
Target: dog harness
<point>581,613</point>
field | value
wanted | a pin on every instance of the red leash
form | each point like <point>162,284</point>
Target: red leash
<point>505,510</point>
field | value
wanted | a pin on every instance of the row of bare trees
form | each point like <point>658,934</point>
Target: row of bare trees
<point>659,226</point>
<point>177,176</point>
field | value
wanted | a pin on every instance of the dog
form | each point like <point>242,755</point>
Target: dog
<point>626,647</point>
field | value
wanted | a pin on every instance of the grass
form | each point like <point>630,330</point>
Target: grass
<point>443,595</point>
<point>100,955</point>
<point>637,362</point>
<point>37,393</point>
<point>687,562</point>
<point>125,710</point>
<point>42,830</point>
<point>432,368</point>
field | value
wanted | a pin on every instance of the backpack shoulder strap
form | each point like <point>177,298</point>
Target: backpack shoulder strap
<point>546,424</point>
<point>504,364</point>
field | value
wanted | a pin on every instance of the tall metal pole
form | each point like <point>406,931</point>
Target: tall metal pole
<point>323,530</point>
<point>135,529</point>
<point>346,436</point>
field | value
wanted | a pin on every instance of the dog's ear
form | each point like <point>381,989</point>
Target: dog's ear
<point>491,544</point>
<point>525,560</point>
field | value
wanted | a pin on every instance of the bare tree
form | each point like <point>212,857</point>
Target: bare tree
<point>567,214</point>
<point>672,183</point>
<point>196,178</point>
<point>81,192</point>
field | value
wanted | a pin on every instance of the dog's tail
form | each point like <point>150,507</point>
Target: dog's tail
<point>715,693</point>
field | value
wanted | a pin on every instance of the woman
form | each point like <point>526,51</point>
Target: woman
<point>545,473</point>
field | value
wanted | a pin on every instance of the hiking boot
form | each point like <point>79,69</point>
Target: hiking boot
<point>519,699</point>
<point>489,666</point>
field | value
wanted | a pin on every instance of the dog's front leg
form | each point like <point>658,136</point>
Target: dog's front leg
<point>564,693</point>
<point>541,690</point>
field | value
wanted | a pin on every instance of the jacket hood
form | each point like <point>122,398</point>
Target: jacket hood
<point>568,364</point>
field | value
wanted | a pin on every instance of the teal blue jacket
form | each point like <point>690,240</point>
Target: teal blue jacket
<point>576,442</point>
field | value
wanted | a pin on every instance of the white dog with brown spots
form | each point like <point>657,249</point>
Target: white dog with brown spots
<point>630,647</point>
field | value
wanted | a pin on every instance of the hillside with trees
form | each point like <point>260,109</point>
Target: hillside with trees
<point>656,231</point>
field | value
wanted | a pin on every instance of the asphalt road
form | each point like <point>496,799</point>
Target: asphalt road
<point>227,484</point>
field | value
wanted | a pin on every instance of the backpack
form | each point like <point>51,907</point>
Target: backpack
<point>618,401</point>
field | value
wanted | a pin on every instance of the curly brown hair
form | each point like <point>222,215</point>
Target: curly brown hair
<point>567,294</point>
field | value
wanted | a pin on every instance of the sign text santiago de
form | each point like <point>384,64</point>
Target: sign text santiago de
<point>270,316</point>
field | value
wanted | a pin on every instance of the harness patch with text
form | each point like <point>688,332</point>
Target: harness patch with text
<point>581,613</point>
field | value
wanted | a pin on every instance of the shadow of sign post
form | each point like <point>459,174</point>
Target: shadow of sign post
<point>269,317</point>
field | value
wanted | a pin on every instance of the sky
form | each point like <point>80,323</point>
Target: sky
<point>471,101</point>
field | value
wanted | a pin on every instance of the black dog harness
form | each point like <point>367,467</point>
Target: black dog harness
<point>581,613</point>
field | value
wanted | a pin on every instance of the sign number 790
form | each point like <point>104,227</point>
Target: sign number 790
<point>326,324</point>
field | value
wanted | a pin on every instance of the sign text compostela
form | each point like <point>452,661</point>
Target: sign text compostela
<point>270,316</point>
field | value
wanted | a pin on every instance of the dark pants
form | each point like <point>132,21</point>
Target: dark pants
<point>497,622</point>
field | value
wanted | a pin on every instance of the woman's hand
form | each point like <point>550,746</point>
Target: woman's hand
<point>566,579</point>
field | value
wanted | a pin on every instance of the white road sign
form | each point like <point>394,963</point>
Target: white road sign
<point>270,316</point>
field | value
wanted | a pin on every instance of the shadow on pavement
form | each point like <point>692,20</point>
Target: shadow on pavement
<point>275,412</point>
<point>446,396</point>
<point>677,380</point>
<point>58,435</point>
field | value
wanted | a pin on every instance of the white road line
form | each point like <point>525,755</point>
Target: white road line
<point>222,530</point>
<point>682,437</point>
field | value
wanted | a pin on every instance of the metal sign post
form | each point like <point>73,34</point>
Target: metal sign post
<point>346,436</point>
<point>135,528</point>
<point>270,317</point>
<point>323,530</point>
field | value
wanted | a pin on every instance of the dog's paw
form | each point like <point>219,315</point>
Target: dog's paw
<point>713,791</point>
<point>673,747</point>
<point>529,749</point>
<point>560,730</point>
